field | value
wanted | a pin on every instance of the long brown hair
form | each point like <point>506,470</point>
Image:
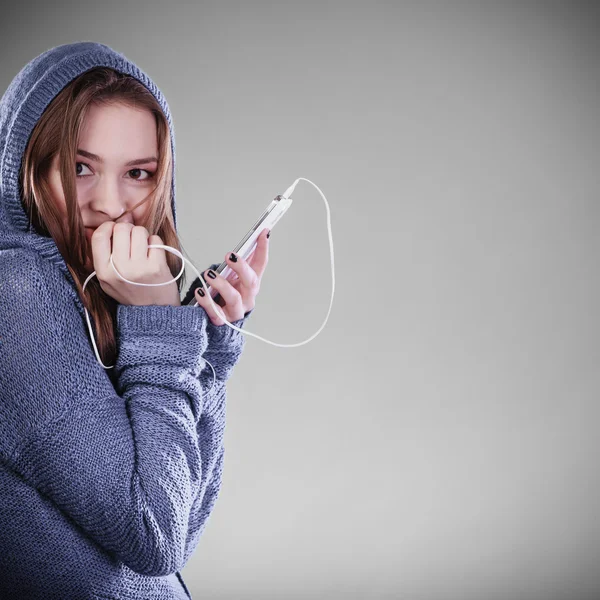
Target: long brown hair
<point>58,129</point>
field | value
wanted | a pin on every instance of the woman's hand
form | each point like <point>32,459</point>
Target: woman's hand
<point>239,295</point>
<point>134,261</point>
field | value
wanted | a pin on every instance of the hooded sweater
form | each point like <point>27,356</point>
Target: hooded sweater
<point>107,477</point>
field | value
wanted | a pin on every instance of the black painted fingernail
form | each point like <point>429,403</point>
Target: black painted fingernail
<point>268,235</point>
<point>233,257</point>
<point>200,291</point>
<point>212,274</point>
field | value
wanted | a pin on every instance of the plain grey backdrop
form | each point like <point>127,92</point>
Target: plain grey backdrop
<point>438,440</point>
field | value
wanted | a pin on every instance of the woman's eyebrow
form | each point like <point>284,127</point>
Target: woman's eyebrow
<point>138,161</point>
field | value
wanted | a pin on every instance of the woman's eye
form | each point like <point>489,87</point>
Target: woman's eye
<point>148,174</point>
<point>82,164</point>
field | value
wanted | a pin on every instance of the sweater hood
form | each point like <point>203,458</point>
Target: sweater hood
<point>21,106</point>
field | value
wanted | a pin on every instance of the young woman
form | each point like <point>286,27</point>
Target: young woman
<point>107,475</point>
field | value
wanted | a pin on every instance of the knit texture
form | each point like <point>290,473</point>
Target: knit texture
<point>107,477</point>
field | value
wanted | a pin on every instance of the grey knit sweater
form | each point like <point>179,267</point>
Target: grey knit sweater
<point>106,482</point>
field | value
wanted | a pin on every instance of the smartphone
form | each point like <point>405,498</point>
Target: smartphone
<point>271,215</point>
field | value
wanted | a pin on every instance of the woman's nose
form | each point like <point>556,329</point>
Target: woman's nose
<point>108,199</point>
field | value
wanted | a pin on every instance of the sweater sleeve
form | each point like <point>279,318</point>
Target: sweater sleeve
<point>125,465</point>
<point>225,347</point>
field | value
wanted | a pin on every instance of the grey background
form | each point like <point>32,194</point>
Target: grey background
<point>438,439</point>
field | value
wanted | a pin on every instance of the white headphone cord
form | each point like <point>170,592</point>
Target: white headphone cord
<point>286,194</point>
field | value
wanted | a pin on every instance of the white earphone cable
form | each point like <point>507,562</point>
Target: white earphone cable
<point>286,194</point>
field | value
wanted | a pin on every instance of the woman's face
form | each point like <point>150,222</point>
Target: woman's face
<point>117,157</point>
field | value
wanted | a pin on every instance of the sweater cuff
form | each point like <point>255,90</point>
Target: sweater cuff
<point>223,334</point>
<point>154,318</point>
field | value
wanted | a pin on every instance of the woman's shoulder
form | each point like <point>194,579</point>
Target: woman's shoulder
<point>34,304</point>
<point>26,276</point>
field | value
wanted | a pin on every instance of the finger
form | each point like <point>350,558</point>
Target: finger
<point>139,243</point>
<point>121,243</point>
<point>101,248</point>
<point>260,257</point>
<point>207,305</point>
<point>246,274</point>
<point>233,299</point>
<point>157,254</point>
<point>231,275</point>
